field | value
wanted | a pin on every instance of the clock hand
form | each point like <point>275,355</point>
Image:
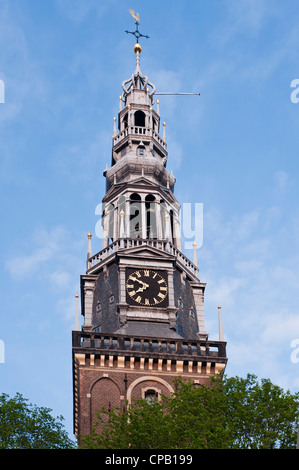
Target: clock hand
<point>135,279</point>
<point>140,282</point>
<point>142,288</point>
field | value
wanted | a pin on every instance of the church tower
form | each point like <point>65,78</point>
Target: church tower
<point>141,298</point>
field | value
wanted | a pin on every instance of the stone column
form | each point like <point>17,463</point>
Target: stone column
<point>127,218</point>
<point>105,230</point>
<point>177,230</point>
<point>115,224</point>
<point>143,217</point>
<point>158,221</point>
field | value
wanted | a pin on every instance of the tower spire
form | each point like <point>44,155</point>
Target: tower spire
<point>140,285</point>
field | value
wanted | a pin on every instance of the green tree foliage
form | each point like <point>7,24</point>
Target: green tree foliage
<point>232,413</point>
<point>26,426</point>
<point>260,415</point>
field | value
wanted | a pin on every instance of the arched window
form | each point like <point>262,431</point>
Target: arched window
<point>151,395</point>
<point>141,150</point>
<point>139,119</point>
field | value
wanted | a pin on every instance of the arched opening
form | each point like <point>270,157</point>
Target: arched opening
<point>163,212</point>
<point>155,126</point>
<point>139,117</point>
<point>135,216</point>
<point>171,224</point>
<point>151,221</point>
<point>125,121</point>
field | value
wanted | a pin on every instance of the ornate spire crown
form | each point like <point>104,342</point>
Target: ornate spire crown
<point>138,81</point>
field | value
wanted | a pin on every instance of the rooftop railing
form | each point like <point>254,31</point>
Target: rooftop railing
<point>169,348</point>
<point>123,243</point>
<point>138,130</point>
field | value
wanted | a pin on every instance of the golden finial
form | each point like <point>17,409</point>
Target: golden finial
<point>137,48</point>
<point>89,235</point>
<point>77,296</point>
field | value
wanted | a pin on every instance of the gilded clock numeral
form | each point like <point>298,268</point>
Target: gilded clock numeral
<point>146,302</point>
<point>162,296</point>
<point>130,286</point>
<point>163,288</point>
<point>138,299</point>
<point>146,272</point>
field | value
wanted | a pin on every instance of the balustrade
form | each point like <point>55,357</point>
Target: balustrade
<point>123,243</point>
<point>151,346</point>
<point>137,130</point>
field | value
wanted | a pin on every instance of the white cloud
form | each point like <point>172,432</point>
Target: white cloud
<point>45,245</point>
<point>255,279</point>
<point>66,307</point>
<point>54,258</point>
<point>280,327</point>
<point>223,290</point>
<point>60,279</point>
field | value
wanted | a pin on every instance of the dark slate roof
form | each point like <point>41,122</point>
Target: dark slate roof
<point>149,329</point>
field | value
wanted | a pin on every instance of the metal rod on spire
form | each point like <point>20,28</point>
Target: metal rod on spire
<point>198,94</point>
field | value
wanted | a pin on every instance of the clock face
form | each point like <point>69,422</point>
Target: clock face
<point>147,287</point>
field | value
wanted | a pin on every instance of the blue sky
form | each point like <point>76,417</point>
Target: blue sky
<point>234,149</point>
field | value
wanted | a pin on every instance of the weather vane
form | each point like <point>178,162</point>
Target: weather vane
<point>136,33</point>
